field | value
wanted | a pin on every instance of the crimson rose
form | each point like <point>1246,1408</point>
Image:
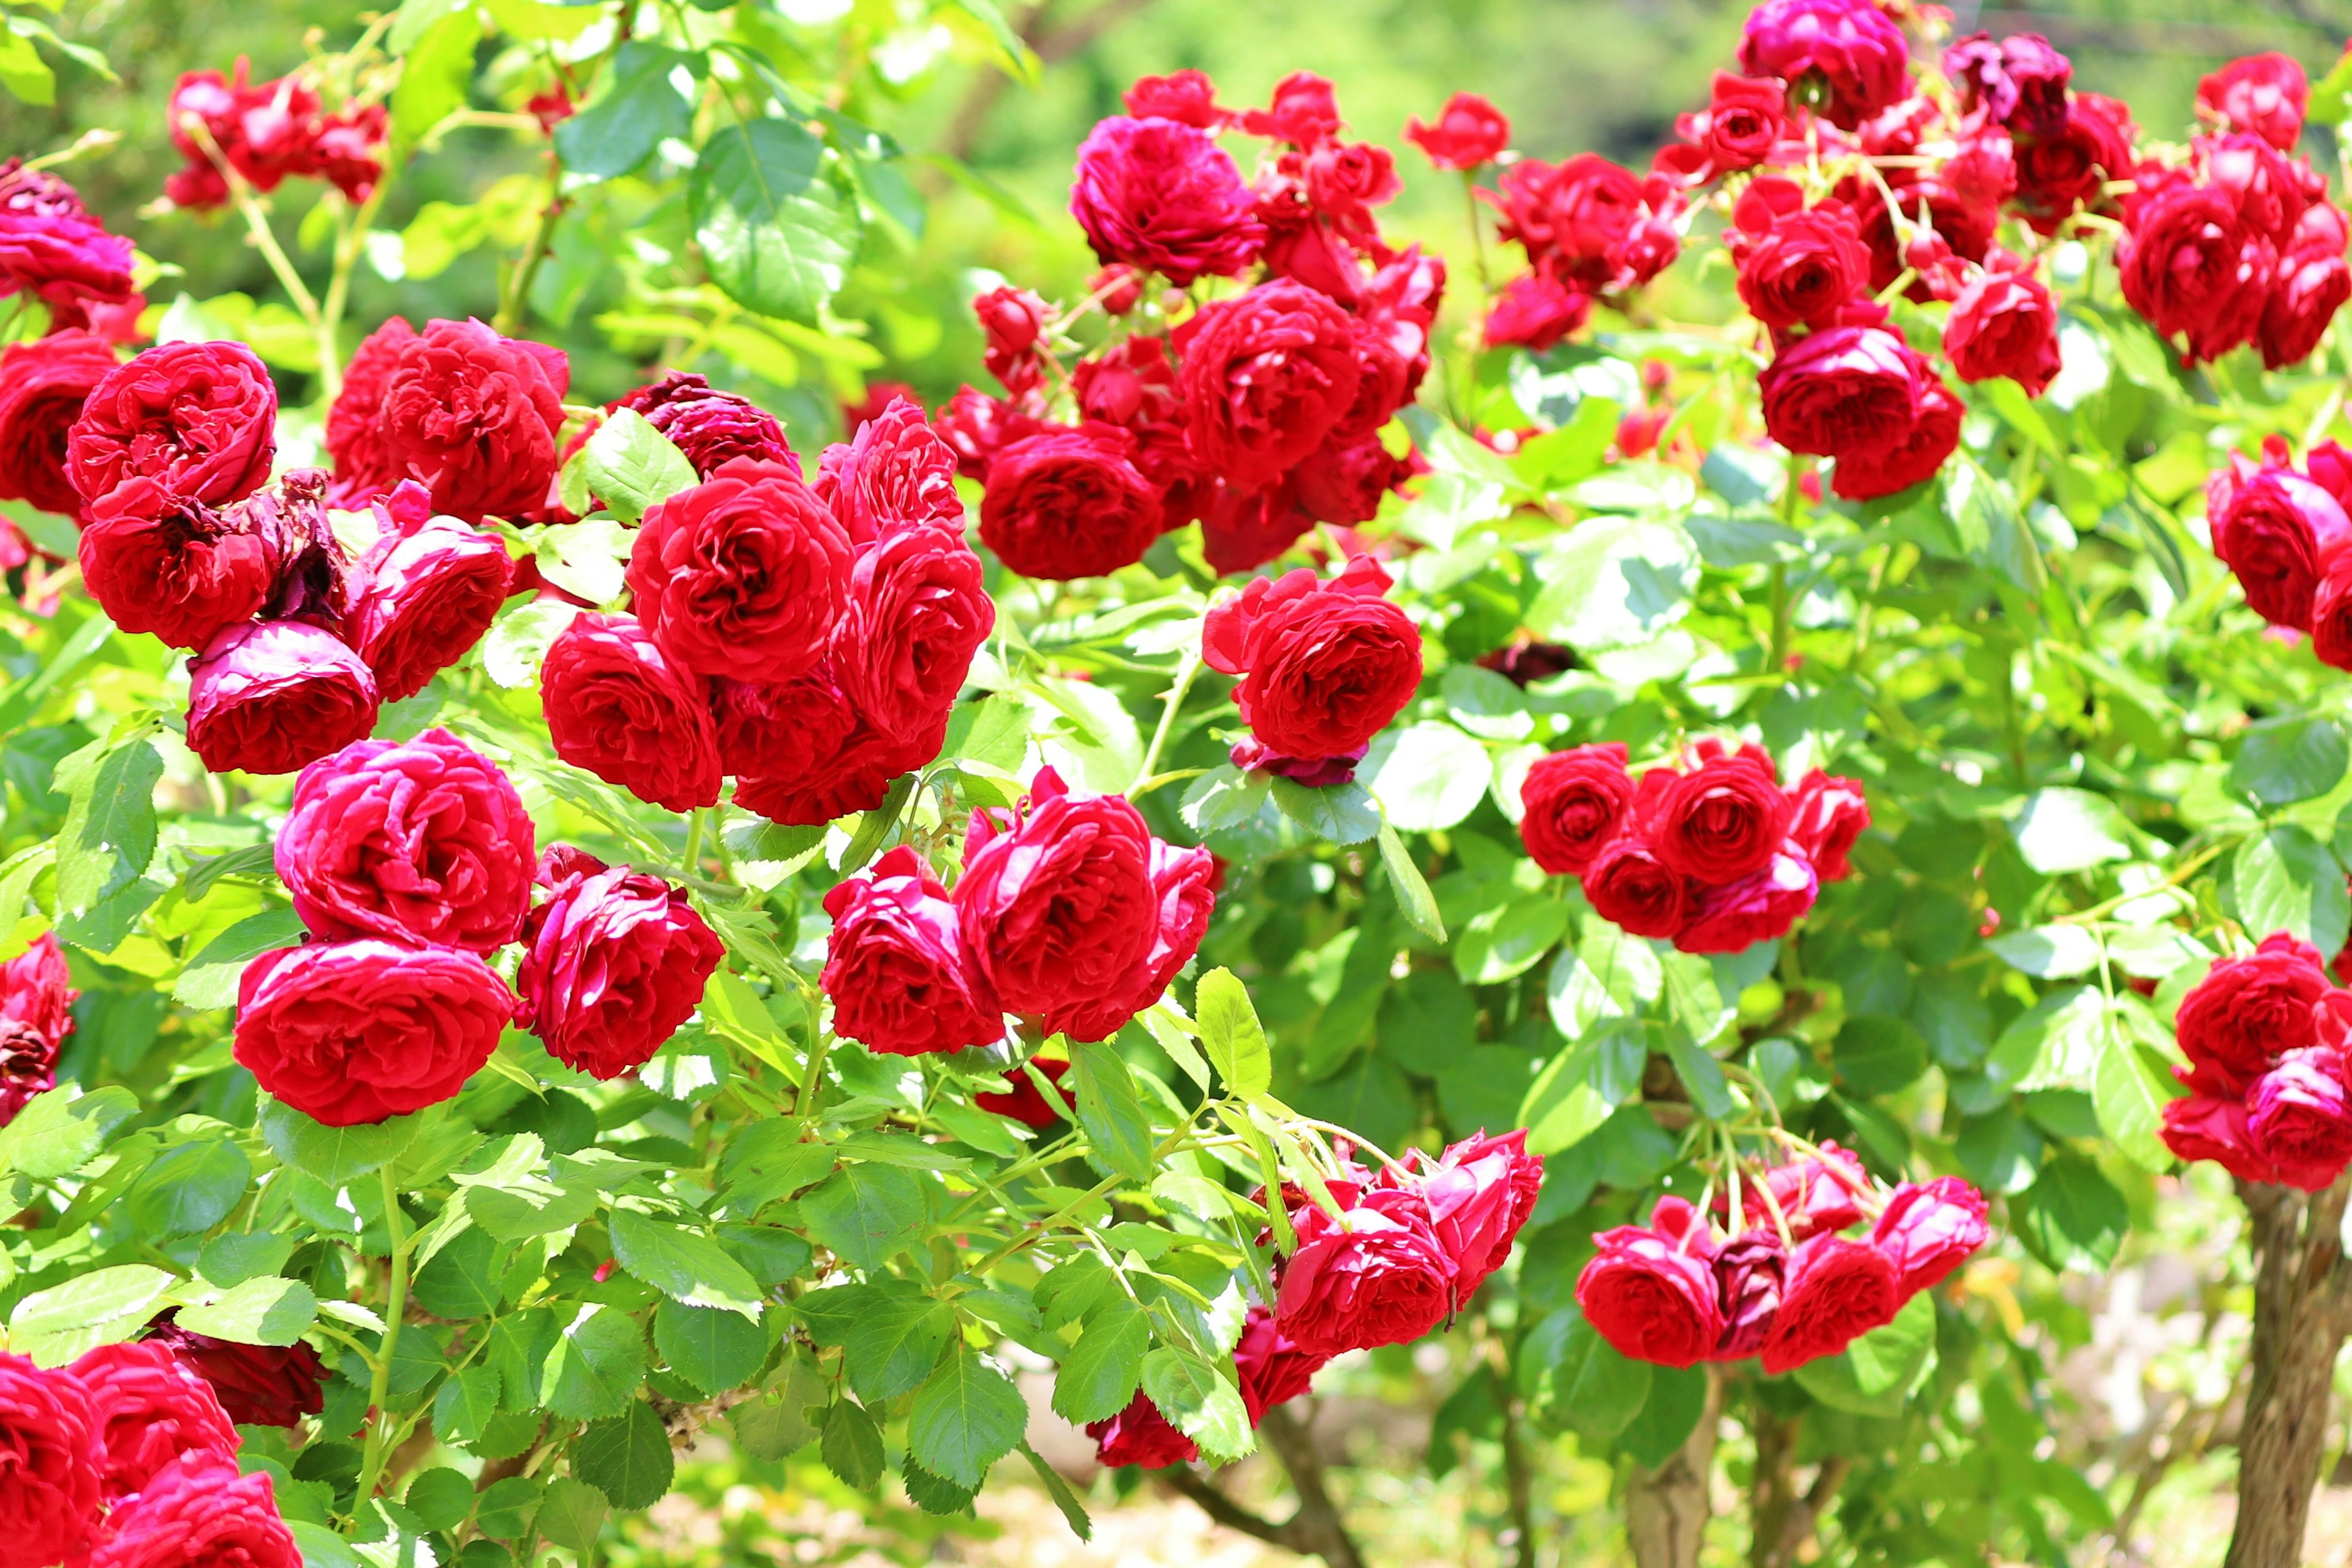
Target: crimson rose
<point>2194,268</point>
<point>1868,472</point>
<point>916,612</point>
<point>1377,1275</point>
<point>258,1385</point>
<point>895,965</point>
<point>1068,504</point>
<point>199,1512</point>
<point>43,385</point>
<point>1273,1369</point>
<point>613,963</point>
<point>1469,132</point>
<point>1652,1298</point>
<point>365,464</point>
<point>1733,916</point>
<point>1843,390</point>
<point>1139,1435</point>
<point>1574,800</point>
<point>1264,377</point>
<point>50,1459</point>
<point>2003,323</point>
<point>2266,94</point>
<point>1724,818</point>
<point>423,594</point>
<point>741,576</point>
<point>2273,528</point>
<point>1324,666</point>
<point>1161,196</point>
<point>148,1408</point>
<point>1632,889</point>
<point>180,570</point>
<point>710,426</point>
<point>1835,1292</point>
<point>894,472</point>
<point>474,416</point>
<point>2247,1013</point>
<point>620,709</point>
<point>269,696</point>
<point>199,419</point>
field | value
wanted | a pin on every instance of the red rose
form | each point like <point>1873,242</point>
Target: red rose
<point>49,1454</point>
<point>2020,81</point>
<point>2331,610</point>
<point>51,246</point>
<point>269,696</point>
<point>1652,1298</point>
<point>895,472</point>
<point>1480,1191</point>
<point>1075,913</point>
<point>1012,321</point>
<point>1866,473</point>
<point>474,416</point>
<point>1836,1290</point>
<point>420,840</point>
<point>895,965</point>
<point>1813,1194</point>
<point>2004,323</point>
<point>43,385</point>
<point>346,150</point>
<point>1069,503</point>
<point>1161,196</point>
<point>1859,54</point>
<point>199,419</point>
<point>183,571</point>
<point>258,1385</point>
<point>36,998</point>
<point>1798,265</point>
<point>2247,1013</point>
<point>2205,1127</point>
<point>710,427</point>
<point>1343,483</point>
<point>1631,888</point>
<point>1273,1370</point>
<point>1828,816</point>
<point>1376,1275</point>
<point>1244,530</point>
<point>1187,97</point>
<point>741,576</point>
<point>147,1408</point>
<point>1575,802</point>
<point>822,787</point>
<point>423,594</point>
<point>783,729</point>
<point>916,611</point>
<point>2193,267</point>
<point>1758,907</point>
<point>975,427</point>
<point>1139,1435</point>
<point>2298,1118</point>
<point>1750,1271</point>
<point>2060,171</point>
<point>365,461</point>
<point>1927,1231</point>
<point>1535,310</point>
<point>1264,377</point>
<point>1469,133</point>
<point>613,964</point>
<point>258,129</point>
<point>1132,385</point>
<point>2311,285</point>
<point>1324,665</point>
<point>1724,818</point>
<point>1746,120</point>
<point>1025,1104</point>
<point>2265,94</point>
<point>199,1512</point>
<point>620,709</point>
<point>1586,222</point>
<point>2273,528</point>
<point>1844,390</point>
<point>351,1033</point>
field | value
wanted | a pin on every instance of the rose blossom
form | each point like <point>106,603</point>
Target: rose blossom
<point>36,998</point>
<point>613,964</point>
<point>270,696</point>
<point>2020,81</point>
<point>1273,1370</point>
<point>894,966</point>
<point>1012,320</point>
<point>2248,1012</point>
<point>2193,267</point>
<point>1069,503</point>
<point>199,1512</point>
<point>1470,131</point>
<point>474,417</point>
<point>1324,665</point>
<point>1377,1275</point>
<point>896,472</point>
<point>1139,1435</point>
<point>1813,1194</point>
<point>2063,169</point>
<point>2298,1118</point>
<point>1926,1231</point>
<point>51,246</point>
<point>1650,1299</point>
<point>423,594</point>
<point>1798,265</point>
<point>1828,816</point>
<point>1264,377</point>
<point>742,576</point>
<point>1187,97</point>
<point>2312,283</point>
<point>1574,801</point>
<point>783,729</point>
<point>258,1385</point>
<point>1025,1104</point>
<point>620,709</point>
<point>147,1408</point>
<point>1343,484</point>
<point>1585,221</point>
<point>1535,310</point>
<point>1846,389</point>
<point>421,840</point>
<point>710,426</point>
<point>1630,887</point>
<point>2273,527</point>
<point>2266,94</point>
<point>1835,1292</point>
<point>350,1033</point>
<point>49,1452</point>
<point>825,786</point>
<point>2331,611</point>
<point>1302,109</point>
<point>1750,1271</point>
<point>1868,472</point>
<point>43,385</point>
<point>2004,323</point>
<point>916,611</point>
<point>363,461</point>
<point>1725,818</point>
<point>1758,907</point>
<point>199,419</point>
<point>1161,196</point>
<point>182,571</point>
<point>1480,1193</point>
<point>1858,52</point>
<point>2205,1127</point>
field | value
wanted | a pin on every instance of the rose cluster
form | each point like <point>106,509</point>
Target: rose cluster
<point>1260,413</point>
<point>1269,1369</point>
<point>37,1002</point>
<point>1708,852</point>
<point>1782,1283</point>
<point>2286,534</point>
<point>1324,666</point>
<point>53,250</point>
<point>127,1459</point>
<point>1590,230</point>
<point>1067,913</point>
<point>2266,1037</point>
<point>809,639</point>
<point>265,132</point>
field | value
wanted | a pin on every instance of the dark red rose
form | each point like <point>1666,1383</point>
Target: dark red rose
<point>619,709</point>
<point>474,417</point>
<point>1244,530</point>
<point>1264,377</point>
<point>1273,1371</point>
<point>1929,1231</point>
<point>613,964</point>
<point>355,440</point>
<point>2204,1127</point>
<point>1796,266</point>
<point>1324,665</point>
<point>1343,482</point>
<point>258,1385</point>
<point>1161,196</point>
<point>1303,111</point>
<point>1866,473</point>
<point>49,1453</point>
<point>2193,267</point>
<point>2004,323</point>
<point>2062,171</point>
<point>269,696</point>
<point>420,840</point>
<point>741,576</point>
<point>1836,1290</point>
<point>1074,914</point>
<point>917,610</point>
<point>199,419</point>
<point>1187,97</point>
<point>423,594</point>
<point>1376,1275</point>
<point>1469,133</point>
<point>1723,819</point>
<point>2331,611</point>
<point>199,1512</point>
<point>1758,907</point>
<point>1631,888</point>
<point>711,427</point>
<point>2312,284</point>
<point>1856,53</point>
<point>895,472</point>
<point>1575,801</point>
<point>1828,816</point>
<point>1069,503</point>
<point>1846,389</point>
<point>2246,1013</point>
<point>350,1033</point>
<point>2019,81</point>
<point>1750,1271</point>
<point>1025,1104</point>
<point>1586,222</point>
<point>976,428</point>
<point>51,246</point>
<point>182,571</point>
<point>147,1408</point>
<point>1480,1191</point>
<point>2298,1118</point>
<point>895,965</point>
<point>2273,527</point>
<point>1139,1435</point>
<point>777,730</point>
<point>35,1002</point>
<point>1132,385</point>
<point>826,786</point>
<point>43,385</point>
<point>2265,94</point>
<point>1535,310</point>
<point>1653,1298</point>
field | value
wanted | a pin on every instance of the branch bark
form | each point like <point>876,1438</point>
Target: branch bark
<point>1666,1508</point>
<point>1317,1528</point>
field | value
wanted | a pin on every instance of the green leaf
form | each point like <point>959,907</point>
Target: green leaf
<point>1593,1389</point>
<point>891,1334</point>
<point>1081,1523</point>
<point>966,1416</point>
<point>269,1311</point>
<point>1426,777</point>
<point>1344,814</point>
<point>1232,1035</point>
<point>641,108</point>
<point>2130,1101</point>
<point>570,1513</point>
<point>2283,760</point>
<point>1225,798</point>
<point>1993,534</point>
<point>594,1367</point>
<point>775,236</point>
<point>683,1264</point>
<point>435,75</point>
<point>2073,1217</point>
<point>24,73</point>
<point>1199,1401</point>
<point>109,837</point>
<point>465,1404</point>
<point>775,1425</point>
<point>1875,1055</point>
<point>334,1154</point>
<point>631,467</point>
<point>440,1498</point>
<point>1614,582</point>
<point>866,1213</point>
<point>1505,942</point>
<point>853,1445</point>
<point>1668,1416</point>
<point>627,1458</point>
<point>1562,1107</point>
<point>2285,880</point>
<point>100,1308</point>
<point>1701,1074</point>
<point>931,1494</point>
<point>2063,830</point>
<point>2331,95</point>
<point>1111,1111</point>
<point>62,1130</point>
<point>713,1349</point>
<point>190,1189</point>
<point>461,1280</point>
<point>1412,889</point>
<point>1101,1371</point>
<point>211,978</point>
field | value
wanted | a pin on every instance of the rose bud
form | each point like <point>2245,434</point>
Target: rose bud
<point>1732,917</point>
<point>2004,323</point>
<point>1470,131</point>
<point>1118,286</point>
<point>199,1512</point>
<point>1828,817</point>
<point>1375,1275</point>
<point>1162,197</point>
<point>618,708</point>
<point>1723,820</point>
<point>43,385</point>
<point>1324,665</point>
<point>1652,1298</point>
<point>1575,802</point>
<point>364,462</point>
<point>1630,887</point>
<point>1535,310</point>
<point>258,1385</point>
<point>1929,1231</point>
<point>2206,1126</point>
<point>49,1435</point>
<point>147,1408</point>
<point>199,419</point>
<point>421,840</point>
<point>741,576</point>
<point>613,965</point>
<point>711,427</point>
<point>1846,389</point>
<point>1074,913</point>
<point>916,611</point>
<point>2247,1013</point>
<point>474,416</point>
<point>2298,1118</point>
<point>894,966</point>
<point>1025,1104</point>
<point>1069,503</point>
<point>1265,376</point>
<point>422,594</point>
<point>1856,53</point>
<point>1835,1292</point>
<point>271,697</point>
<point>1139,1435</point>
<point>352,1033</point>
<point>896,472</point>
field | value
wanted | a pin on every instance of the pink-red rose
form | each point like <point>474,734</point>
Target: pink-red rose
<point>1139,1435</point>
<point>43,385</point>
<point>2194,268</point>
<point>1652,1298</point>
<point>199,419</point>
<point>1264,377</point>
<point>51,246</point>
<point>2004,323</point>
<point>1827,819</point>
<point>1834,1291</point>
<point>916,612</point>
<point>1844,390</point>
<point>269,696</point>
<point>2298,1118</point>
<point>423,594</point>
<point>49,1459</point>
<point>199,1512</point>
<point>1733,916</point>
<point>741,576</point>
<point>2266,94</point>
<point>618,708</point>
<point>1272,1368</point>
<point>1470,131</point>
<point>36,999</point>
<point>183,571</point>
<point>894,472</point>
<point>474,417</point>
<point>365,461</point>
<point>148,1408</point>
<point>2247,1013</point>
<point>1161,196</point>
<point>1857,53</point>
<point>1575,802</point>
<point>1798,265</point>
<point>1376,1275</point>
<point>1724,818</point>
<point>613,963</point>
<point>1324,665</point>
<point>1535,310</point>
<point>1928,1230</point>
<point>710,426</point>
<point>895,965</point>
<point>2273,528</point>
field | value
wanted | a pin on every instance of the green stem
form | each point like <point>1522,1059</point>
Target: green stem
<point>265,240</point>
<point>693,840</point>
<point>806,1108</point>
<point>1478,233</point>
<point>519,282</point>
<point>379,1443</point>
<point>1174,698</point>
